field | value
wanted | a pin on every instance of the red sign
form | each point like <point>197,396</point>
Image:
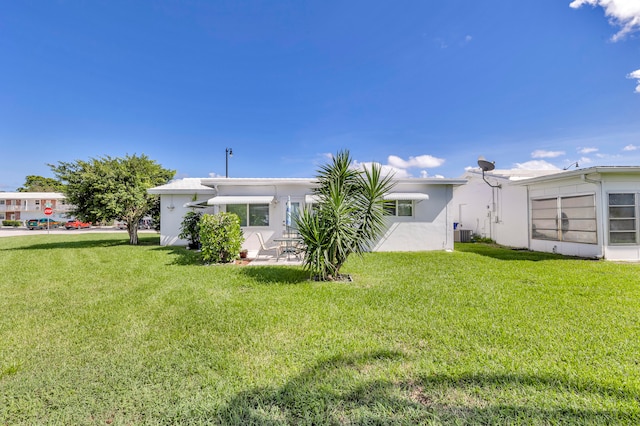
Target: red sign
<point>48,211</point>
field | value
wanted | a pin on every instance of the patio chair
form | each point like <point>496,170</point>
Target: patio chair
<point>264,248</point>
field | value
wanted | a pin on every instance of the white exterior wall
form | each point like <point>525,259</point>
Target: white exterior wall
<point>496,213</point>
<point>172,213</point>
<point>430,228</point>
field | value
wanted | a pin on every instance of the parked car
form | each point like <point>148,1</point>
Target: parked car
<point>145,223</point>
<point>76,224</point>
<point>42,223</point>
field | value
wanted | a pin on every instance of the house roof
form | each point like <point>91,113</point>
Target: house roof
<point>31,195</point>
<point>512,174</point>
<point>208,185</point>
<point>601,170</point>
<point>211,182</point>
<point>185,185</point>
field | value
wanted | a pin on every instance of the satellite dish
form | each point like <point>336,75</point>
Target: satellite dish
<point>485,165</point>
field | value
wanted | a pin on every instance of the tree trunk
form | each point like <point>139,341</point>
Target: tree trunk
<point>133,233</point>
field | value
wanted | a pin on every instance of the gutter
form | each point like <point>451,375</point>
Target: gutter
<point>598,182</point>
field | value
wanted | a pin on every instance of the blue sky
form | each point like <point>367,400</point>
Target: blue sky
<point>424,87</point>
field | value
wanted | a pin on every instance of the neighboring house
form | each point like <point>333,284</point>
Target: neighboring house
<point>592,212</point>
<point>496,211</point>
<point>419,211</point>
<point>23,206</point>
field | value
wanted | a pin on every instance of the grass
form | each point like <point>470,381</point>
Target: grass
<point>94,331</point>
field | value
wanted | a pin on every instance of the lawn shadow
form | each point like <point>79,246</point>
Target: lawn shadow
<point>337,391</point>
<point>276,274</point>
<point>506,253</point>
<point>81,244</point>
<point>182,256</point>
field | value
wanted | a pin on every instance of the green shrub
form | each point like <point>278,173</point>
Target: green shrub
<point>477,238</point>
<point>14,223</point>
<point>220,237</point>
<point>190,229</point>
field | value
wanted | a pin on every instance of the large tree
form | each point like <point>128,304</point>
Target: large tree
<point>34,183</point>
<point>105,189</point>
<point>348,218</point>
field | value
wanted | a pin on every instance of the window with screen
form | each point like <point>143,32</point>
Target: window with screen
<point>623,219</point>
<point>569,218</point>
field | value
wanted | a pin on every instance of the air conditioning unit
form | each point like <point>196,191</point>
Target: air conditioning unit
<point>462,235</point>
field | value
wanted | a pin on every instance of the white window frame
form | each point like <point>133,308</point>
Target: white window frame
<point>395,210</point>
<point>248,214</point>
<point>636,210</point>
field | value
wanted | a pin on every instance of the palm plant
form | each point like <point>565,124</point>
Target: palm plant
<point>348,218</point>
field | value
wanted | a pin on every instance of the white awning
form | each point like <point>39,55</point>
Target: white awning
<point>240,199</point>
<point>413,196</point>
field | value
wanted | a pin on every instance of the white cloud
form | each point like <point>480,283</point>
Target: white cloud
<point>421,161</point>
<point>468,38</point>
<point>540,153</point>
<point>387,169</point>
<point>621,13</point>
<point>630,147</point>
<point>636,76</point>
<point>536,165</point>
<point>399,167</point>
<point>584,160</point>
<point>587,150</point>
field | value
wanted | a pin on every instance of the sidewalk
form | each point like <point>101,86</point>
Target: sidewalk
<point>7,231</point>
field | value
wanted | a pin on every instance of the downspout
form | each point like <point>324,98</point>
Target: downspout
<point>448,224</point>
<point>528,219</point>
<point>598,182</point>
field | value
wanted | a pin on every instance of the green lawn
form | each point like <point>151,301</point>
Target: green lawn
<point>94,331</point>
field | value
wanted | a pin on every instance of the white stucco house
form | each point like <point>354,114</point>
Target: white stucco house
<point>492,207</point>
<point>591,212</point>
<point>420,215</point>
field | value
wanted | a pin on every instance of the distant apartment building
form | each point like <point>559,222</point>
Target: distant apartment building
<point>30,205</point>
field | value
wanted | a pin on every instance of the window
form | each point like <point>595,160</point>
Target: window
<point>398,208</point>
<point>623,225</point>
<point>251,214</point>
<point>571,219</point>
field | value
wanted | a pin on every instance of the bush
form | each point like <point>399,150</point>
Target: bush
<point>190,229</point>
<point>220,237</point>
<point>14,223</point>
<point>476,238</point>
